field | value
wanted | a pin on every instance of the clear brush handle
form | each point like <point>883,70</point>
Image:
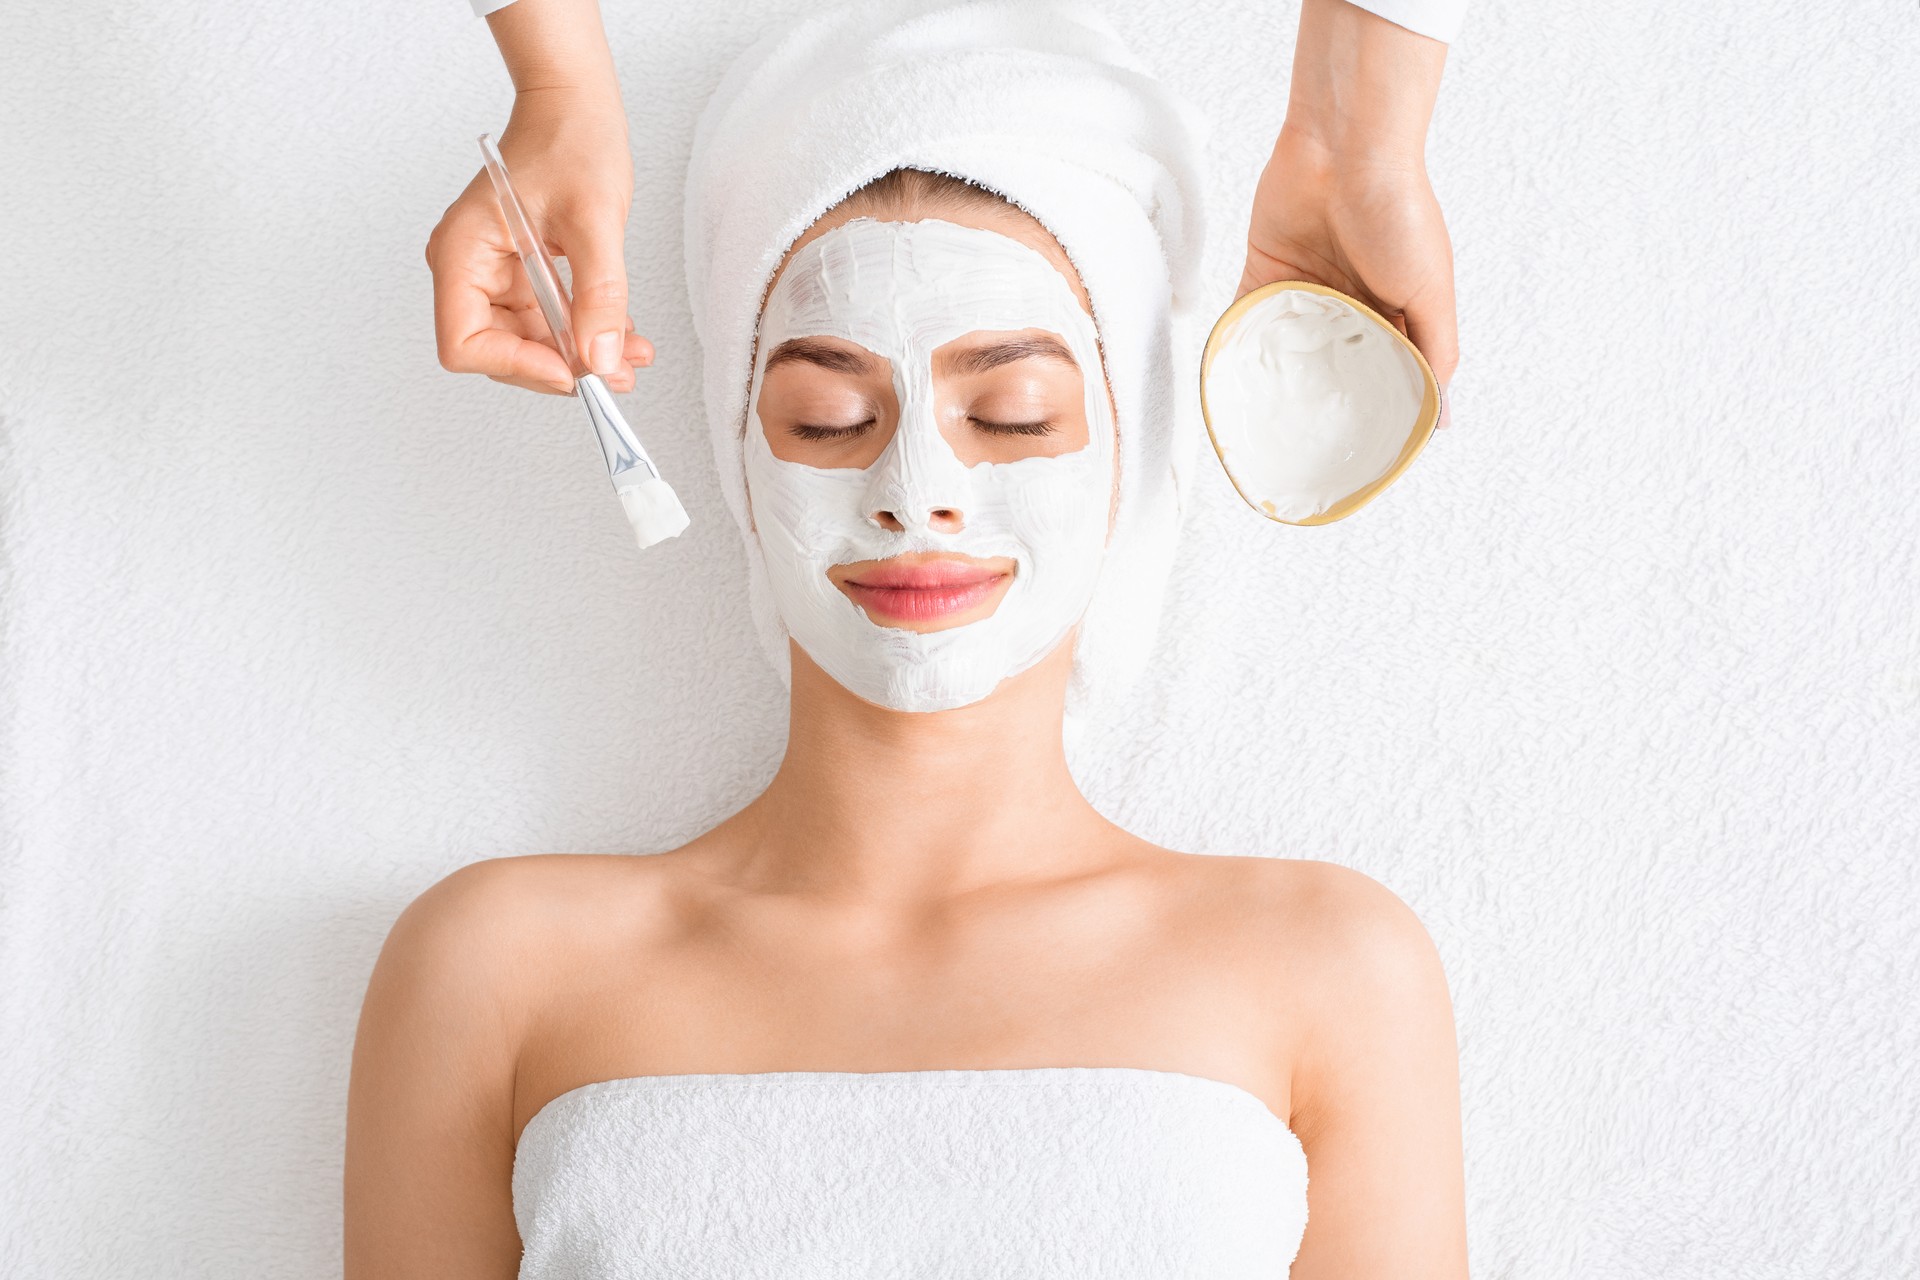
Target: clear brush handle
<point>547,289</point>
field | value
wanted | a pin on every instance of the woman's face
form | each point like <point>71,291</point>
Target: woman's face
<point>931,462</point>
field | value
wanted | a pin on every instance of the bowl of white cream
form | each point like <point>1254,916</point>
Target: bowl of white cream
<point>1314,403</point>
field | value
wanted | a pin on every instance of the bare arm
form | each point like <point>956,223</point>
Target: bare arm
<point>555,44</point>
<point>1377,1096</point>
<point>1344,199</point>
<point>1363,85</point>
<point>429,1145</point>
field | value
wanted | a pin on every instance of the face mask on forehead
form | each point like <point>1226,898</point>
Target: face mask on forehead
<point>902,290</point>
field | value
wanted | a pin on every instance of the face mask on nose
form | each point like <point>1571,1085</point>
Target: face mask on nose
<point>901,290</point>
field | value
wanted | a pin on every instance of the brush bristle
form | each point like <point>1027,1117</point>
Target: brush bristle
<point>654,511</point>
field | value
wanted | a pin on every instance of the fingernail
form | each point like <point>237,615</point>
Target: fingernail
<point>1446,409</point>
<point>605,353</point>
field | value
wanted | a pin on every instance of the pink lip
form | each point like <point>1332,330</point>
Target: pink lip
<point>918,592</point>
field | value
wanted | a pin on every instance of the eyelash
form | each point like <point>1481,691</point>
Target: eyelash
<point>808,431</point>
<point>1015,428</point>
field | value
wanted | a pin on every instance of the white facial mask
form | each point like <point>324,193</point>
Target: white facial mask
<point>901,290</point>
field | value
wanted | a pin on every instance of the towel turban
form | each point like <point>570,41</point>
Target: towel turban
<point>1044,105</point>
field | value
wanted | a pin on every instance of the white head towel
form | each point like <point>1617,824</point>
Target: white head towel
<point>1040,102</point>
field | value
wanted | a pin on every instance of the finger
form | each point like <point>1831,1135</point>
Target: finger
<point>593,239</point>
<point>1434,328</point>
<point>1263,268</point>
<point>505,356</point>
<point>1249,281</point>
<point>637,353</point>
<point>468,273</point>
<point>630,353</point>
<point>529,323</point>
<point>470,270</point>
<point>639,350</point>
<point>544,388</point>
<point>520,315</point>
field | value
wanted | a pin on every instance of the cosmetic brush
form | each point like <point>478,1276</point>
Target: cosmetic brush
<point>652,507</point>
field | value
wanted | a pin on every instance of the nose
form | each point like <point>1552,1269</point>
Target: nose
<point>937,519</point>
<point>917,484</point>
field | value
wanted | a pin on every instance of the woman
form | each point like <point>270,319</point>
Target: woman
<point>918,1009</point>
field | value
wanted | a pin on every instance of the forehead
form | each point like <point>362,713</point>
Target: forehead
<point>892,285</point>
<point>1000,215</point>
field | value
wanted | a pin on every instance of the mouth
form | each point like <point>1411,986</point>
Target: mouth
<point>926,587</point>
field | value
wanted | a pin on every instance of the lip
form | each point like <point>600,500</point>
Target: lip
<point>923,590</point>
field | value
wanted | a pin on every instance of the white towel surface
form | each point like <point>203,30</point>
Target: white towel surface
<point>1619,687</point>
<point>1041,102</point>
<point>1105,1173</point>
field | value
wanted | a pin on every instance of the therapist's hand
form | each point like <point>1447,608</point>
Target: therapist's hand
<point>1344,199</point>
<point>1374,232</point>
<point>567,151</point>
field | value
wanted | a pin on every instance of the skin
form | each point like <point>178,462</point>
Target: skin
<point>868,912</point>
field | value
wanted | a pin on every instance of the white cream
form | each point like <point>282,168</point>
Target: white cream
<point>902,290</point>
<point>653,511</point>
<point>1310,401</point>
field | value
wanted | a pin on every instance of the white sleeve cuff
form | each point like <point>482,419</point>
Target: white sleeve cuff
<point>481,8</point>
<point>1439,19</point>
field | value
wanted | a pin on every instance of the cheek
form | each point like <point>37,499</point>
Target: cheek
<point>1063,502</point>
<point>1069,499</point>
<point>801,516</point>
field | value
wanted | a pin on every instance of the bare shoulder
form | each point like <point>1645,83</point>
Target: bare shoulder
<point>1372,1068</point>
<point>1328,931</point>
<point>481,912</point>
<point>1343,913</point>
<point>499,918</point>
<point>430,1141</point>
<point>453,952</point>
<point>1306,887</point>
<point>1365,940</point>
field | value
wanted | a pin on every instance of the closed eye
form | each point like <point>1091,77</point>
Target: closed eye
<point>808,431</point>
<point>1014,428</point>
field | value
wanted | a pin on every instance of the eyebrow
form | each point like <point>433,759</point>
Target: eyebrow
<point>814,351</point>
<point>994,354</point>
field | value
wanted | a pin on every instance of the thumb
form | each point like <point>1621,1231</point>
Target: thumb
<point>1435,330</point>
<point>596,251</point>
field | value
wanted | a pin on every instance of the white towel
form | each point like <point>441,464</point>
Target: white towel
<point>1114,1173</point>
<point>1043,104</point>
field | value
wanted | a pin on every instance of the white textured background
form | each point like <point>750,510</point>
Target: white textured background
<point>1619,687</point>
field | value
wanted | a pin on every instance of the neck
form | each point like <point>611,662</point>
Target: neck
<point>902,805</point>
